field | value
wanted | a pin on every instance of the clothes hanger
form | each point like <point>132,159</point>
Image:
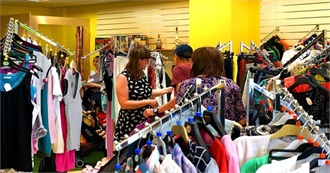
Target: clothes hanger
<point>168,139</point>
<point>12,64</point>
<point>211,118</point>
<point>180,130</point>
<point>195,127</point>
<point>201,123</point>
<point>285,116</point>
<point>158,139</point>
<point>194,131</point>
<point>303,79</point>
<point>291,130</point>
<point>300,149</point>
<point>319,71</point>
<point>318,86</point>
<point>306,149</point>
<point>315,162</point>
<point>311,150</point>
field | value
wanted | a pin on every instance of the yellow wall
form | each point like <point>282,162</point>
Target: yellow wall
<point>212,21</point>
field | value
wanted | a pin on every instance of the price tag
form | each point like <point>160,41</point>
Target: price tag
<point>7,87</point>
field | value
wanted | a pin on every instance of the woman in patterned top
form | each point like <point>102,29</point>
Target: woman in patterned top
<point>134,93</point>
<point>208,65</point>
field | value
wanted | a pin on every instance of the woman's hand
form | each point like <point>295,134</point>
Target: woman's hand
<point>169,89</point>
<point>148,112</point>
<point>93,85</point>
<point>153,103</point>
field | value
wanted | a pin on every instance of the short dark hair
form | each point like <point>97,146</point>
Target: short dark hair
<point>207,61</point>
<point>138,52</point>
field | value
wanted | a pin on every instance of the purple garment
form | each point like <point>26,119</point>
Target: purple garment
<point>181,160</point>
<point>234,108</point>
<point>32,46</point>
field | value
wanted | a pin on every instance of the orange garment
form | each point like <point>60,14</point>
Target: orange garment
<point>300,88</point>
<point>285,44</point>
<point>326,85</point>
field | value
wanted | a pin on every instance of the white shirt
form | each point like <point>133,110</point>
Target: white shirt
<point>282,166</point>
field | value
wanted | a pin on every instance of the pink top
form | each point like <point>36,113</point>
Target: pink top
<point>231,153</point>
<point>51,112</point>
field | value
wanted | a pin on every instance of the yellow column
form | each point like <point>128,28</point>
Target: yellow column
<point>212,21</point>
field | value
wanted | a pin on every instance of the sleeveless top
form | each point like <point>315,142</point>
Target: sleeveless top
<point>129,118</point>
<point>16,121</point>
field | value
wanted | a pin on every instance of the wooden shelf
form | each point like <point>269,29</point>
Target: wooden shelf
<point>164,49</point>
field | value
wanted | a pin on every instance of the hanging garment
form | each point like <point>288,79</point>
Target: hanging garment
<point>73,109</point>
<point>315,103</point>
<point>119,64</point>
<point>180,159</point>
<point>16,121</point>
<point>231,154</point>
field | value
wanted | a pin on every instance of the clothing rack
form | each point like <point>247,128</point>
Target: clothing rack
<point>167,117</point>
<point>242,46</point>
<point>230,44</point>
<point>36,33</point>
<point>95,51</point>
<point>315,40</point>
<point>155,54</point>
<point>8,40</point>
<point>290,103</point>
<point>320,56</point>
<point>270,34</point>
<point>254,46</point>
<point>316,28</point>
<point>303,116</point>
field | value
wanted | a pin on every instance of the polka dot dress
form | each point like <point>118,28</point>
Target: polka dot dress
<point>129,118</point>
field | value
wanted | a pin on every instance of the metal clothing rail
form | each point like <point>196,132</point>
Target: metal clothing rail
<point>95,51</point>
<point>8,40</point>
<point>29,29</point>
<point>242,46</point>
<point>254,46</point>
<point>230,44</point>
<point>290,103</point>
<point>270,34</point>
<point>316,28</point>
<point>315,40</point>
<point>168,116</point>
<point>320,56</point>
<point>303,116</point>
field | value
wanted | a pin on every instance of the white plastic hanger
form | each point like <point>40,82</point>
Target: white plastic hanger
<point>158,139</point>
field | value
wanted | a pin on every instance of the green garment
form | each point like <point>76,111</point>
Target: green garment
<point>254,164</point>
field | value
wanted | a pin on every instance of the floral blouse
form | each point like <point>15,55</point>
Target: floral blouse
<point>234,109</point>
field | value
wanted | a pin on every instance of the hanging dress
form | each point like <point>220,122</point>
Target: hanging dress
<point>16,121</point>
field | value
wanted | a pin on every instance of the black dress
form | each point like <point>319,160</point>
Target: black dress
<point>129,118</point>
<point>16,122</point>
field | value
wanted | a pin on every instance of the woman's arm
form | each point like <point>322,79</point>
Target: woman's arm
<point>159,92</point>
<point>93,85</point>
<point>167,106</point>
<point>122,96</point>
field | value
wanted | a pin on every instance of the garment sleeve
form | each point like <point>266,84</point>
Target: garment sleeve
<point>181,91</point>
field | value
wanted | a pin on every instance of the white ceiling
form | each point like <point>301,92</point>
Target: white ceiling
<point>54,3</point>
